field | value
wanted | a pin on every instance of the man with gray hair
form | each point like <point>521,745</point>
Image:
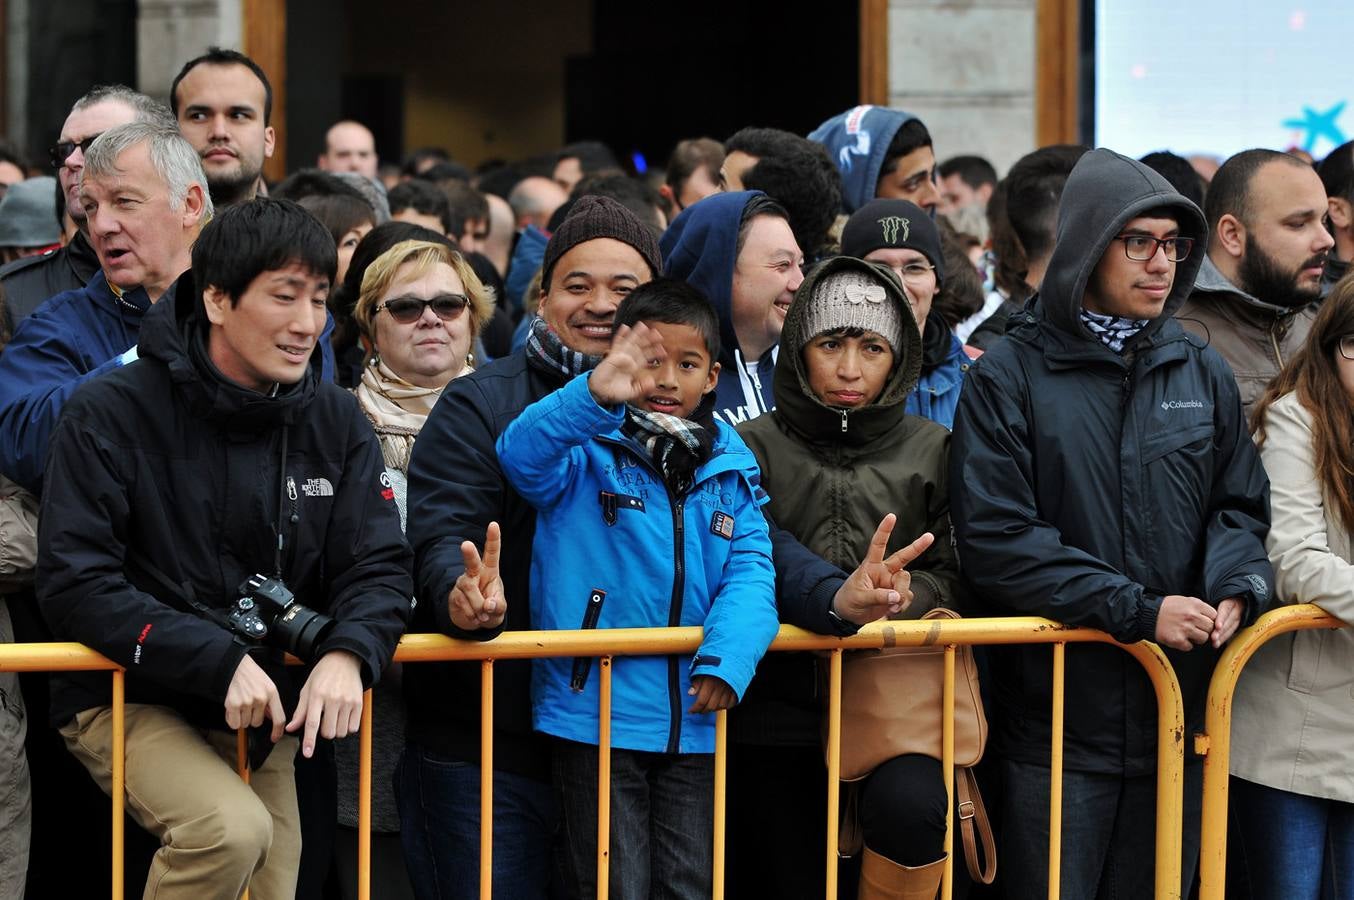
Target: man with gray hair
<point>28,282</point>
<point>144,197</point>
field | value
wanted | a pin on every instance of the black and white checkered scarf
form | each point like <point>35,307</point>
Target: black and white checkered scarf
<point>677,446</point>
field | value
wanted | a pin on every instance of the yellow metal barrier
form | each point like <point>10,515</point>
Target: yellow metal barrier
<point>605,644</point>
<point>66,657</point>
<point>1215,743</point>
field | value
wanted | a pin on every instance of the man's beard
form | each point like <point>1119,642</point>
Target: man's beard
<point>228,189</point>
<point>1264,278</point>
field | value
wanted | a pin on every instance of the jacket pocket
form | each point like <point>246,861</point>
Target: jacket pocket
<point>1160,445</point>
<point>583,664</point>
<point>1304,663</point>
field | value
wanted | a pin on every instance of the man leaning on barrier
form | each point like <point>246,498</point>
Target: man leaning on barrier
<point>1103,475</point>
<point>207,506</point>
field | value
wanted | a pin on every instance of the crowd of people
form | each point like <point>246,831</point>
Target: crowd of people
<point>811,380</point>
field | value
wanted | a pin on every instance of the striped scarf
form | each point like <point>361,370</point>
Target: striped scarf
<point>547,352</point>
<point>677,446</point>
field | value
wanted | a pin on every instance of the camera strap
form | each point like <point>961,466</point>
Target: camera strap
<point>179,595</point>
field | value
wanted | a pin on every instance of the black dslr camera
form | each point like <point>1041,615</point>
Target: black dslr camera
<point>267,612</point>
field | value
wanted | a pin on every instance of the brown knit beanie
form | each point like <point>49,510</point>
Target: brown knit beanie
<point>592,217</point>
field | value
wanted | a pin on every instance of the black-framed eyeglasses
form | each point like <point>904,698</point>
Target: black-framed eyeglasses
<point>1142,247</point>
<point>410,309</point>
<point>1347,346</point>
<point>62,150</point>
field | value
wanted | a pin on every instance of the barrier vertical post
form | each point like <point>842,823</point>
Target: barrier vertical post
<point>1055,773</point>
<point>834,765</point>
<point>242,766</point>
<point>947,768</point>
<point>604,784</point>
<point>1216,744</point>
<point>721,792</point>
<point>119,788</point>
<point>486,779</point>
<point>364,800</point>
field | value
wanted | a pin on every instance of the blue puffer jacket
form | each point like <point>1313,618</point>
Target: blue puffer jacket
<point>68,340</point>
<point>614,549</point>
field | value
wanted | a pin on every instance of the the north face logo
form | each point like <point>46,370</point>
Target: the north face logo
<point>892,225</point>
<point>317,487</point>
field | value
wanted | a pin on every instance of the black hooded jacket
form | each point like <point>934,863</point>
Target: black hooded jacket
<point>1086,485</point>
<point>166,460</point>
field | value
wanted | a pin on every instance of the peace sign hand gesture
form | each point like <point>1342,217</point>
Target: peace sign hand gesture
<point>627,371</point>
<point>476,600</point>
<point>880,587</point>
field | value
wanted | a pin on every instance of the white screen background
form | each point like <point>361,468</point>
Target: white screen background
<point>1220,76</point>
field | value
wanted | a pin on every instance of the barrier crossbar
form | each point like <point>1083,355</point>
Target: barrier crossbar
<point>1215,743</point>
<point>607,644</point>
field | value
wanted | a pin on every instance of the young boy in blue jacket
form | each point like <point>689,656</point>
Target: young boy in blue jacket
<point>646,518</point>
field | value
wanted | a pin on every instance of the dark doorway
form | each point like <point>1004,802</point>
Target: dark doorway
<point>660,72</point>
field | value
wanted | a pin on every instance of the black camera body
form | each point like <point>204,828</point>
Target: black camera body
<point>267,613</point>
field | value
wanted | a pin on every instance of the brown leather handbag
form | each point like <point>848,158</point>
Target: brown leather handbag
<point>892,705</point>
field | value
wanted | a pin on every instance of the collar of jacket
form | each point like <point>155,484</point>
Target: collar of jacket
<point>1235,303</point>
<point>82,258</point>
<point>725,455</point>
<point>1148,349</point>
<point>175,333</point>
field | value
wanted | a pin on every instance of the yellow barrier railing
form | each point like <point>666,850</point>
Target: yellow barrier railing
<point>1215,743</point>
<point>605,644</point>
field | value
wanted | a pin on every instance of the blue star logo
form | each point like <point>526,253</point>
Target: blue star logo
<point>1319,125</point>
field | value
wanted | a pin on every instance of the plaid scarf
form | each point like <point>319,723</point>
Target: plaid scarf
<point>676,445</point>
<point>1113,331</point>
<point>547,352</point>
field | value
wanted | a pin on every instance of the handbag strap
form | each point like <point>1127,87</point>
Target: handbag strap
<point>973,816</point>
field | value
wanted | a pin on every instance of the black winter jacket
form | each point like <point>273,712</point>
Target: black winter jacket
<point>28,283</point>
<point>164,459</point>
<point>1086,485</point>
<point>456,489</point>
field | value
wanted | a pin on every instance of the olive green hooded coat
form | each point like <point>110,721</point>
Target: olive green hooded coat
<point>832,475</point>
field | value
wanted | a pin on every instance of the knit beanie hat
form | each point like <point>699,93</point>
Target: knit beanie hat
<point>852,299</point>
<point>28,214</point>
<point>893,224</point>
<point>593,217</point>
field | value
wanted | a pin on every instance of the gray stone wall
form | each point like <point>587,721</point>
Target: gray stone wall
<point>967,69</point>
<point>171,32</point>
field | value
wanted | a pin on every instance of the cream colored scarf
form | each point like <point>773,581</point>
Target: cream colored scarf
<point>397,410</point>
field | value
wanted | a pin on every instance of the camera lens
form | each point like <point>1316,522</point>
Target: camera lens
<point>301,629</point>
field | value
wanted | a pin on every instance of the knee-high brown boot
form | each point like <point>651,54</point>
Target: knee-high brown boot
<point>883,879</point>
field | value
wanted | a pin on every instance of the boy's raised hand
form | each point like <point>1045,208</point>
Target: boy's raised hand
<point>476,600</point>
<point>627,370</point>
<point>711,693</point>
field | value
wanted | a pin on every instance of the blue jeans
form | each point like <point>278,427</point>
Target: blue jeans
<point>1108,833</point>
<point>1289,846</point>
<point>662,815</point>
<point>439,801</point>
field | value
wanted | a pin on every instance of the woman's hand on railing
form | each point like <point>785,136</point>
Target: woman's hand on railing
<point>880,587</point>
<point>476,600</point>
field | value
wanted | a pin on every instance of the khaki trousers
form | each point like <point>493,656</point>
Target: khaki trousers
<point>217,834</point>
